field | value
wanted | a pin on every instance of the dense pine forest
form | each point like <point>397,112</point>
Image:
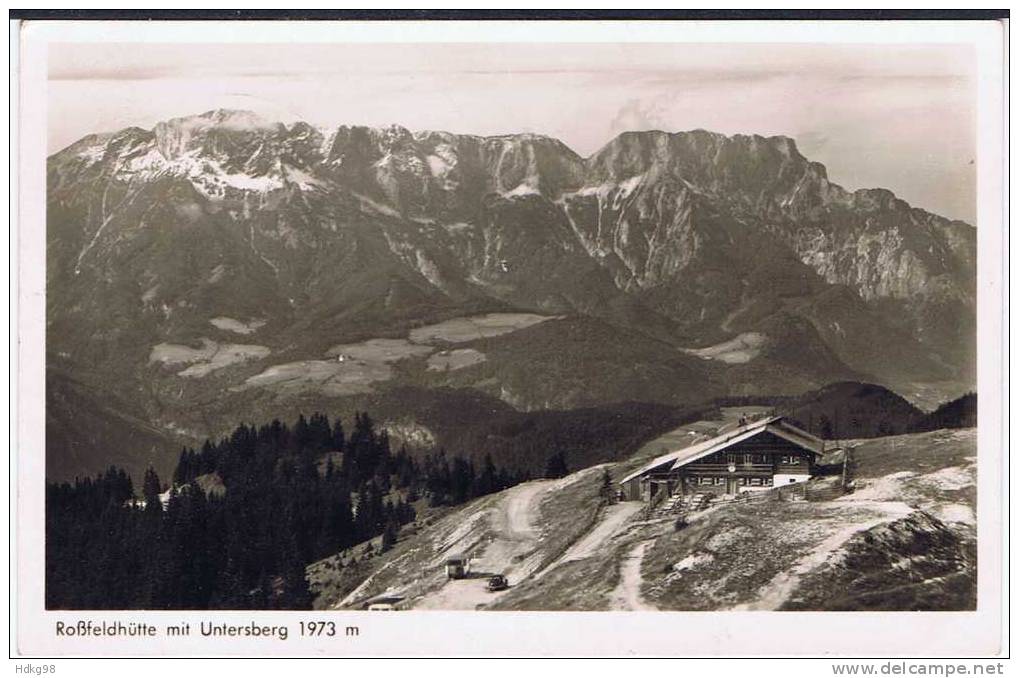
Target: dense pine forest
<point>859,410</point>
<point>958,413</point>
<point>243,517</point>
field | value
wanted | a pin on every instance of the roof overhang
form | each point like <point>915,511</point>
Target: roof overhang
<point>775,425</point>
<point>811,447</point>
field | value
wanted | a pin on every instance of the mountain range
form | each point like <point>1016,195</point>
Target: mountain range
<point>221,267</point>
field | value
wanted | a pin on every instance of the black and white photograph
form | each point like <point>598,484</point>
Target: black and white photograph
<point>482,326</point>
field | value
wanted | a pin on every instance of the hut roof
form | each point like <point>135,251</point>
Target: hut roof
<point>773,424</point>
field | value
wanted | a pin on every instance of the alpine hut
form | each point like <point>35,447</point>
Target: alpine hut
<point>756,455</point>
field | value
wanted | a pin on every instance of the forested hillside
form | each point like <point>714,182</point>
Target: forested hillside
<point>846,409</point>
<point>283,497</point>
<point>958,413</point>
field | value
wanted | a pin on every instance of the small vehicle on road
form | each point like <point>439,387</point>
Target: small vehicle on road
<point>497,583</point>
<point>457,567</point>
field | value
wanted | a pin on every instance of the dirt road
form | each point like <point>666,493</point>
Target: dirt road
<point>611,522</point>
<point>626,595</point>
<point>512,550</point>
<point>775,592</point>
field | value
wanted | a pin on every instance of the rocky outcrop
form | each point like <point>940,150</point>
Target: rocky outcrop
<point>647,207</point>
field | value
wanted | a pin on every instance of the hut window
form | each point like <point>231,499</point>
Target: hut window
<point>719,481</point>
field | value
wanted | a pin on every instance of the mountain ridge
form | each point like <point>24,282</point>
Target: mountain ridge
<point>224,117</point>
<point>732,260</point>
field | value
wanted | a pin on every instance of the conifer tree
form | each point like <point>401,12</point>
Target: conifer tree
<point>556,467</point>
<point>606,487</point>
<point>389,534</point>
<point>247,544</point>
<point>151,491</point>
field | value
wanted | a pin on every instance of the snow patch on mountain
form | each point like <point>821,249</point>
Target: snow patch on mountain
<point>303,180</point>
<point>441,162</point>
<point>369,205</point>
<point>213,180</point>
<point>520,191</point>
<point>438,166</point>
<point>603,191</point>
<point>175,135</point>
<point>107,215</point>
<point>146,160</point>
<point>93,154</point>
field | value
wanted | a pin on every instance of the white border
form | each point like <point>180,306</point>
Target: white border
<point>542,633</point>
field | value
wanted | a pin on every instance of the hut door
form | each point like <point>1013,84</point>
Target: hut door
<point>731,485</point>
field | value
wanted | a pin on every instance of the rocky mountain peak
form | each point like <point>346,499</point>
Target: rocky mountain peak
<point>651,208</point>
<point>710,159</point>
<point>217,133</point>
<point>682,264</point>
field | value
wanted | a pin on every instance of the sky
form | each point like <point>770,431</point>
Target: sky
<point>896,117</point>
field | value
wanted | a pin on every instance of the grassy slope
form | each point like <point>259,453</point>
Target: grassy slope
<point>852,410</point>
<point>741,555</point>
<point>414,568</point>
<point>904,540</point>
<point>958,413</point>
<point>845,409</point>
<point>580,361</point>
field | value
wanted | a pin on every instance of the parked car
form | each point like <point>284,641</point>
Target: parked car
<point>497,583</point>
<point>381,607</point>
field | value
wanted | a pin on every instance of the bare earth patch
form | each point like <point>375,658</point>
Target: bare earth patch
<point>626,595</point>
<point>750,556</point>
<point>379,350</point>
<point>741,349</point>
<point>610,523</point>
<point>209,357</point>
<point>460,330</point>
<point>238,326</point>
<point>942,479</point>
<point>328,377</point>
<point>455,359</point>
<point>353,368</point>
